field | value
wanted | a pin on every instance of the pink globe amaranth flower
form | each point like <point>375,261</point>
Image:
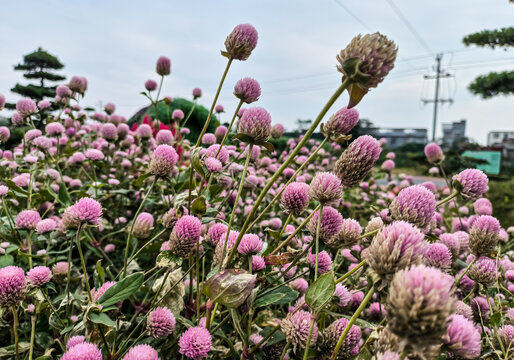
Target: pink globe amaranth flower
<point>394,247</point>
<point>483,235</point>
<point>144,131</point>
<point>87,210</point>
<point>17,119</point>
<point>347,236</point>
<point>164,137</point>
<point>12,285</point>
<point>42,142</point>
<point>480,308</point>
<point>177,115</point>
<point>484,271</point>
<point>247,90</point>
<point>462,338</point>
<point>3,190</point>
<point>109,131</point>
<point>97,294</point>
<point>342,295</point>
<point>341,123</point>
<point>26,107</point>
<point>250,244</point>
<point>142,352</point>
<point>331,223</point>
<point>185,235</point>
<point>83,351</point>
<point>415,204</point>
<point>213,165</point>
<point>75,340</point>
<point>506,334</point>
<point>32,134</point>
<point>214,233</point>
<point>326,188</point>
<point>295,327</point>
<point>45,226</point>
<point>109,248</point>
<point>219,109</point>
<point>220,133</point>
<point>60,269</point>
<point>39,275</point>
<point>419,303</point>
<point>301,285</point>
<point>332,334</point>
<point>2,101</point>
<point>209,139</point>
<point>163,66</point>
<point>258,263</point>
<point>197,92</point>
<point>357,160</point>
<point>143,225</point>
<point>324,261</point>
<point>256,123</point>
<point>277,131</point>
<point>437,255</point>
<point>5,134</point>
<point>295,198</point>
<point>160,322</point>
<point>110,108</point>
<point>483,206</point>
<point>471,183</point>
<point>434,153</point>
<point>78,84</point>
<point>163,160</point>
<point>150,85</point>
<point>376,311</point>
<point>94,154</point>
<point>195,343</point>
<point>54,129</point>
<point>452,242</point>
<point>388,165</point>
<point>28,219</point>
<point>212,151</point>
<point>241,42</point>
<point>230,241</point>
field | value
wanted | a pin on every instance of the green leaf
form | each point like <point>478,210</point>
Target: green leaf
<point>168,260</point>
<point>11,185</point>
<point>495,319</point>
<point>199,207</point>
<point>356,94</point>
<point>280,296</point>
<point>6,260</point>
<point>230,287</point>
<point>320,292</point>
<point>101,318</point>
<point>243,137</point>
<point>100,271</point>
<point>122,290</point>
<point>142,178</point>
<point>197,164</point>
<point>268,146</point>
<point>9,350</point>
<point>63,196</point>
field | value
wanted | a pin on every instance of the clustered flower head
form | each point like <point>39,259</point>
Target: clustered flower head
<point>185,235</point>
<point>342,122</point>
<point>12,285</point>
<point>83,351</point>
<point>463,338</point>
<point>247,90</point>
<point>483,235</point>
<point>415,204</point>
<point>160,322</point>
<point>39,275</point>
<point>163,66</point>
<point>471,183</point>
<point>331,223</point>
<point>256,123</point>
<point>331,336</point>
<point>434,153</point>
<point>195,343</point>
<point>326,188</point>
<point>295,198</point>
<point>163,160</point>
<point>295,327</point>
<point>347,236</point>
<point>241,42</point>
<point>86,210</point>
<point>143,225</point>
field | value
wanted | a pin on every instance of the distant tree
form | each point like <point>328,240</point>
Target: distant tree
<point>38,65</point>
<point>494,83</point>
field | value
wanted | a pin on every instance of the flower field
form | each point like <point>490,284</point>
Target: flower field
<point>137,242</point>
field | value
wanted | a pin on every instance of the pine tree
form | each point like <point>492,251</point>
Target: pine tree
<point>38,66</point>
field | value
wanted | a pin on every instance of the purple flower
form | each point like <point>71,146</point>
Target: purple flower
<point>177,115</point>
<point>144,131</point>
<point>343,295</point>
<point>197,92</point>
<point>213,165</point>
<point>97,294</point>
<point>164,137</point>
<point>94,154</point>
<point>27,219</point>
<point>324,261</point>
<point>77,84</point>
<point>250,244</point>
<point>247,90</point>
<point>163,66</point>
<point>143,225</point>
<point>26,107</point>
<point>142,352</point>
<point>39,275</point>
<point>277,131</point>
<point>185,235</point>
<point>241,42</point>
<point>12,285</point>
<point>295,327</point>
<point>83,351</point>
<point>437,255</point>
<point>258,263</point>
<point>214,233</point>
<point>326,188</point>
<point>151,85</point>
<point>2,101</point>
<point>462,338</point>
<point>75,340</point>
<point>161,322</point>
<point>332,334</point>
<point>209,139</point>
<point>471,183</point>
<point>506,334</point>
<point>109,131</point>
<point>434,153</point>
<point>483,235</point>
<point>342,122</point>
<point>484,271</point>
<point>415,204</point>
<point>85,210</point>
<point>347,236</point>
<point>163,160</point>
<point>295,198</point>
<point>256,123</point>
<point>4,134</point>
<point>195,343</point>
<point>212,151</point>
<point>331,223</point>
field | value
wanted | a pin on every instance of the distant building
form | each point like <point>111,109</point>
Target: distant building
<point>395,137</point>
<point>454,132</point>
<point>498,137</point>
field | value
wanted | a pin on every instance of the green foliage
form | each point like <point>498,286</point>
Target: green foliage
<point>492,38</point>
<point>501,194</point>
<point>35,66</point>
<point>493,84</point>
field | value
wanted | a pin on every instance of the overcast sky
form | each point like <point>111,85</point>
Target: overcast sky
<point>115,45</point>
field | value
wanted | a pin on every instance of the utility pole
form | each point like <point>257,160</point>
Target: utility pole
<point>439,74</point>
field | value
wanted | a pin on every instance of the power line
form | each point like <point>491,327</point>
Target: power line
<point>355,17</point>
<point>409,26</point>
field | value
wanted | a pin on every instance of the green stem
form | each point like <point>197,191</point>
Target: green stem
<point>361,307</point>
<point>83,263</point>
<point>188,115</point>
<point>288,220</point>
<point>127,245</point>
<point>29,246</point>
<point>15,331</point>
<point>446,199</point>
<point>308,343</point>
<point>371,233</point>
<point>286,163</point>
<point>318,228</point>
<point>456,283</point>
<point>351,272</point>
<point>284,352</point>
<point>10,220</point>
<point>68,280</point>
<point>145,245</point>
<point>32,334</point>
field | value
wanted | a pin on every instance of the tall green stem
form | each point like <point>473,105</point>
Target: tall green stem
<point>68,280</point>
<point>318,228</point>
<point>32,334</point>
<point>286,163</point>
<point>456,283</point>
<point>445,200</point>
<point>83,263</point>
<point>351,272</point>
<point>308,343</point>
<point>15,331</point>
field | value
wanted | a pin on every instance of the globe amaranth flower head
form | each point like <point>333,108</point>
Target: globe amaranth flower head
<point>331,223</point>
<point>163,160</point>
<point>437,255</point>
<point>395,247</point>
<point>142,352</point>
<point>347,236</point>
<point>143,225</point>
<point>434,153</point>
<point>256,123</point>
<point>357,160</point>
<point>151,85</point>
<point>110,108</point>
<point>97,294</point>
<point>324,261</point>
<point>277,131</point>
<point>195,343</point>
<point>326,188</point>
<point>506,335</point>
<point>109,131</point>
<point>250,244</point>
<point>342,122</point>
<point>419,303</point>
<point>483,235</point>
<point>94,154</point>
<point>2,101</point>
<point>241,42</point>
<point>185,235</point>
<point>471,183</point>
<point>26,107</point>
<point>12,285</point>
<point>484,271</point>
<point>83,351</point>
<point>462,338</point>
<point>160,322</point>
<point>375,54</point>
<point>247,90</point>
<point>483,206</point>
<point>27,219</point>
<point>295,198</point>
<point>39,275</point>
<point>163,66</point>
<point>75,340</point>
<point>415,204</point>
<point>197,92</point>
<point>332,334</point>
<point>78,84</point>
<point>295,327</point>
<point>5,134</point>
<point>177,115</point>
<point>85,210</point>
